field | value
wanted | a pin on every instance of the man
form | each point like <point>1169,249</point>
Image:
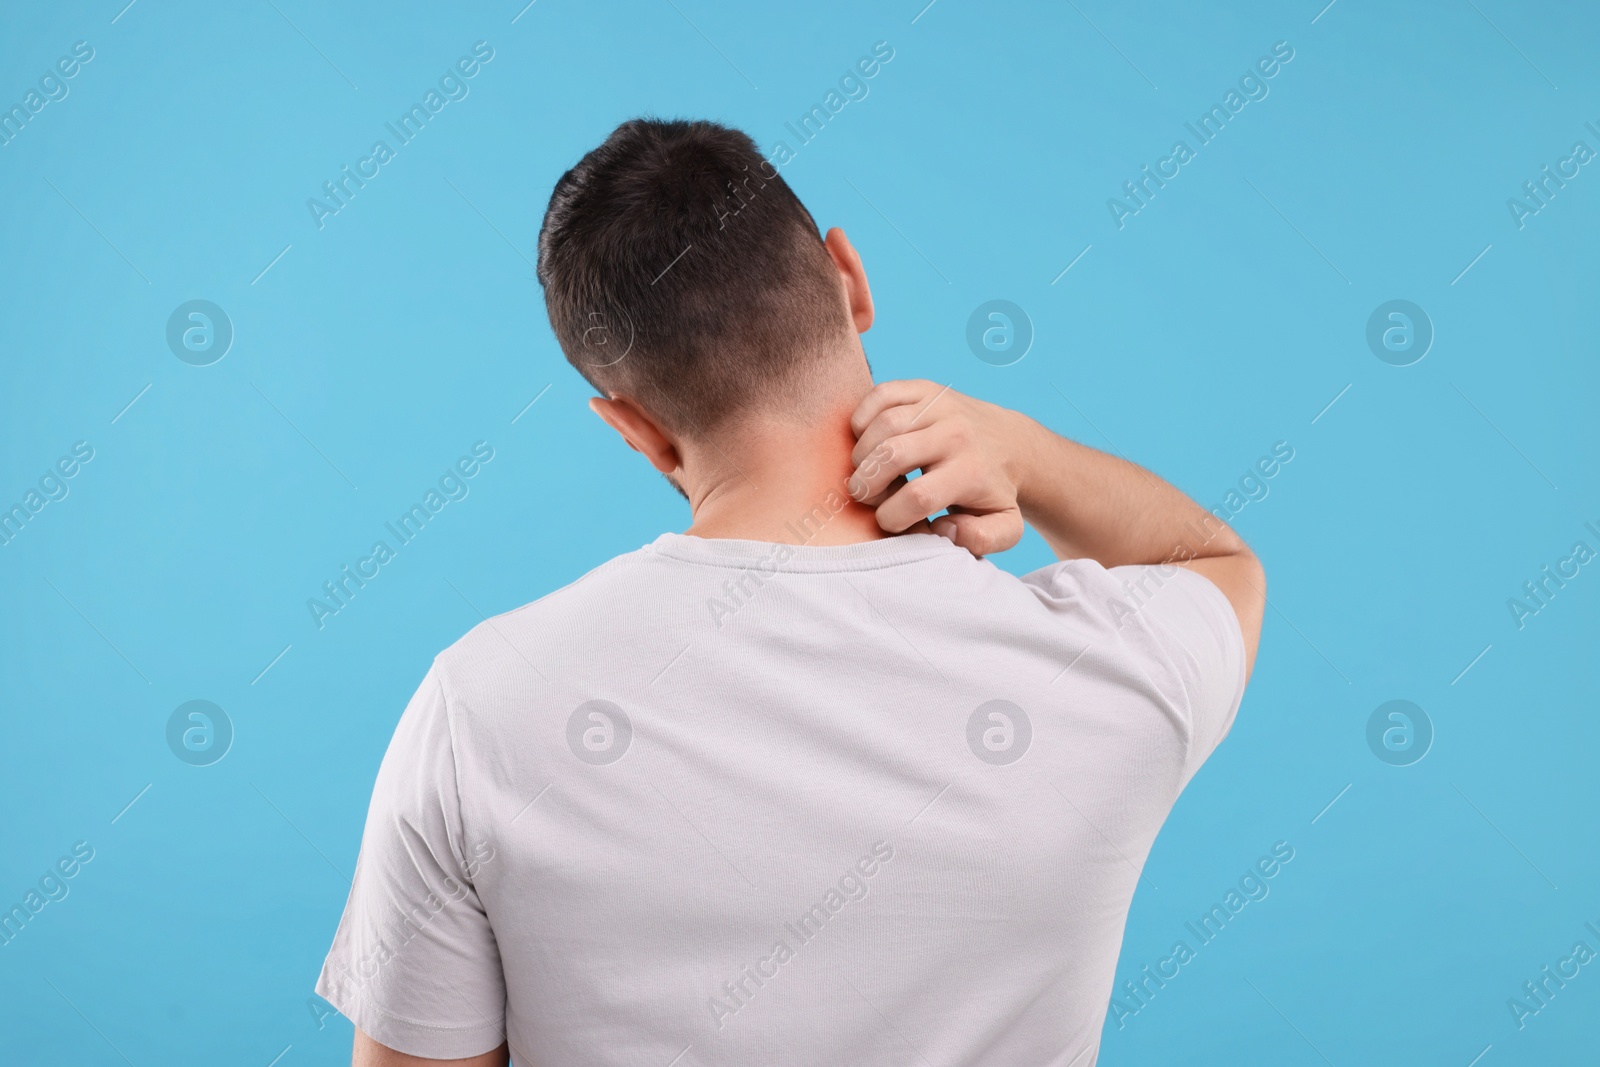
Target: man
<point>813,782</point>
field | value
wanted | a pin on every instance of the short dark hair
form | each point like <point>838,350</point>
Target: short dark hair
<point>680,269</point>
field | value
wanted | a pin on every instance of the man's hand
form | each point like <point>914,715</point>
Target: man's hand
<point>969,453</point>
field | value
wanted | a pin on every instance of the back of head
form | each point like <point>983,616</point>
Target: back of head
<point>681,271</point>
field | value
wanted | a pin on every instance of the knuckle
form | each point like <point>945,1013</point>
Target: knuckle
<point>876,460</point>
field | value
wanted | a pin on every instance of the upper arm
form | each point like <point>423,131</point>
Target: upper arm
<point>1177,630</point>
<point>1183,631</point>
<point>415,963</point>
<point>368,1053</point>
<point>1244,583</point>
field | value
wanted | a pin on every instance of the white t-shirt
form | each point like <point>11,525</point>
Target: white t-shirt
<point>730,802</point>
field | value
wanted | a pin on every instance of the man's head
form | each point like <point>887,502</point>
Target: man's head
<point>689,285</point>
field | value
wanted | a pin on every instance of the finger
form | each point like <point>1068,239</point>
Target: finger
<point>893,458</point>
<point>890,422</point>
<point>885,493</point>
<point>917,499</point>
<point>982,535</point>
<point>887,395</point>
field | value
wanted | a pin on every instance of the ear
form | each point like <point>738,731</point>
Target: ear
<point>858,295</point>
<point>639,430</point>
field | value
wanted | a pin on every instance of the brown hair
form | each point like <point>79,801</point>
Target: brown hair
<point>681,270</point>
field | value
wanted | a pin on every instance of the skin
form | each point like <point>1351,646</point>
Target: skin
<point>368,1053</point>
<point>986,471</point>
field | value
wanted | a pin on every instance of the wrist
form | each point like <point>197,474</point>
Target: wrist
<point>1029,445</point>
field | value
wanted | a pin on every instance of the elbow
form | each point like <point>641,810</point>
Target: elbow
<point>1256,574</point>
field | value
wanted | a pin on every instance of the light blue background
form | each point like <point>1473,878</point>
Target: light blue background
<point>1220,320</point>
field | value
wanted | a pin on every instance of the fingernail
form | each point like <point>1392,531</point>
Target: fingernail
<point>856,487</point>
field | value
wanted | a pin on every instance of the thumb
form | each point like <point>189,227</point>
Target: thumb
<point>984,534</point>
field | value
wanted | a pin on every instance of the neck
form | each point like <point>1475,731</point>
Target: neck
<point>783,483</point>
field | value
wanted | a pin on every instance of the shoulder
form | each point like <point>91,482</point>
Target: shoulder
<point>571,609</point>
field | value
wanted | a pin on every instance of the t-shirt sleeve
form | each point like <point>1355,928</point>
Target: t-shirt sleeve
<point>1194,626</point>
<point>1182,631</point>
<point>414,964</point>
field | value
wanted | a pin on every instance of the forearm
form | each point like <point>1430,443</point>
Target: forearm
<point>1087,504</point>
